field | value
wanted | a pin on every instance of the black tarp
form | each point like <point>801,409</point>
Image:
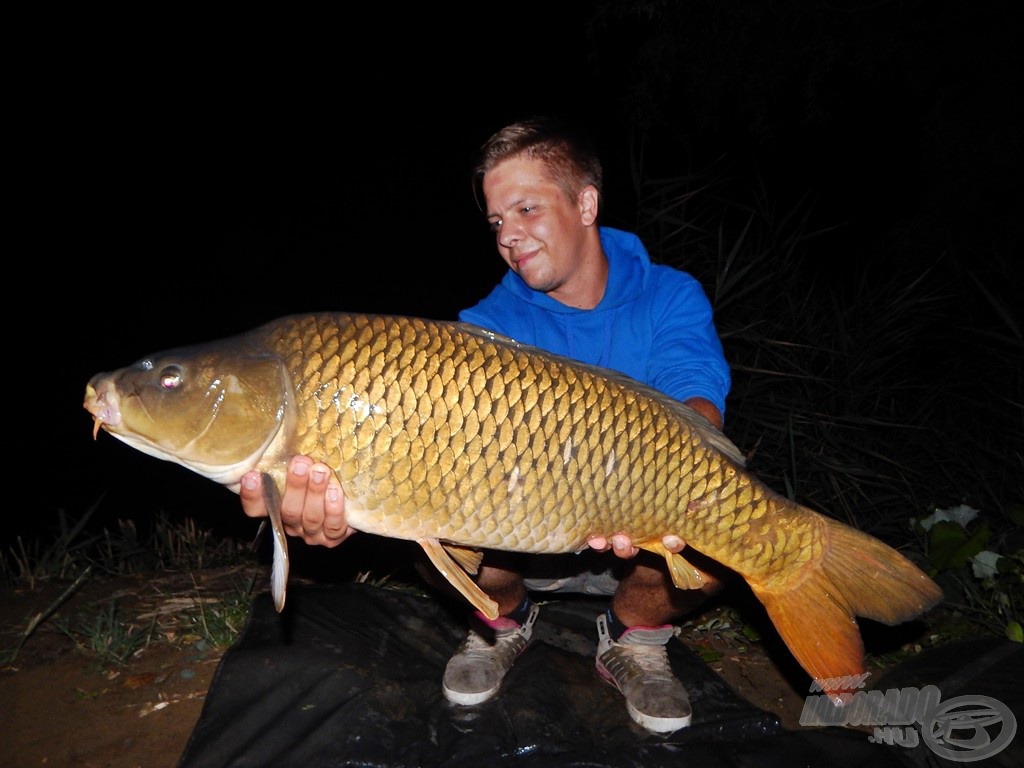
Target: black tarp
<point>349,675</point>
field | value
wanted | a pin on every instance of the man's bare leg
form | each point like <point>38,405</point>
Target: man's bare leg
<point>647,597</point>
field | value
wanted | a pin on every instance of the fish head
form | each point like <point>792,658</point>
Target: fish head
<point>214,408</point>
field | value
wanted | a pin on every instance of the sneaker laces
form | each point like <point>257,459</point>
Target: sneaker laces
<point>641,650</point>
<point>651,659</point>
<point>499,635</point>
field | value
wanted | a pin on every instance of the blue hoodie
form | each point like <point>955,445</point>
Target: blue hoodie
<point>654,323</point>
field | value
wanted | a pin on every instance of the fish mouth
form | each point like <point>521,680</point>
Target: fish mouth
<point>104,405</point>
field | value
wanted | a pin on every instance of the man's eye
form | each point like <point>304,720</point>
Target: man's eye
<point>526,209</point>
<point>494,225</point>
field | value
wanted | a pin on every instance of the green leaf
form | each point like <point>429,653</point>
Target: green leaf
<point>709,655</point>
<point>950,546</point>
<point>1015,632</point>
<point>750,633</point>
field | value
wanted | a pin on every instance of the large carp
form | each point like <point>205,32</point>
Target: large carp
<point>459,439</point>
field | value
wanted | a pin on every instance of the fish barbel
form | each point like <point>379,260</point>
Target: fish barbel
<point>461,439</point>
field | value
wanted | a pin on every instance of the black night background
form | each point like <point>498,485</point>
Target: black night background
<point>191,177</point>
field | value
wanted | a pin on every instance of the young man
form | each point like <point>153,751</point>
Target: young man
<point>590,293</point>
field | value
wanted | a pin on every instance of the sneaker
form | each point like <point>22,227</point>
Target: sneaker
<point>474,673</point>
<point>582,573</point>
<point>637,665</point>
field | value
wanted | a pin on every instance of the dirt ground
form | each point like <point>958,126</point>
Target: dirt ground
<point>66,706</point>
<point>63,706</point>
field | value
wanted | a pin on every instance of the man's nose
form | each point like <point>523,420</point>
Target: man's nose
<point>509,234</point>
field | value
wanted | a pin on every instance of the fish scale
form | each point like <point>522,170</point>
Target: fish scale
<point>464,440</point>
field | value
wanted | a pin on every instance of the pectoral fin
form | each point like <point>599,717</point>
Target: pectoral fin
<point>684,574</point>
<point>279,572</point>
<point>451,570</point>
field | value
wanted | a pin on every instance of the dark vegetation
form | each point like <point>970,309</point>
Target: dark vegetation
<point>849,394</point>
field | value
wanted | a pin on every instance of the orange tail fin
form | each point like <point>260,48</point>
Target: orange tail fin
<point>858,575</point>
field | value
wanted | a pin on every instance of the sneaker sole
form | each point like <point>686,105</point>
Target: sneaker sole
<point>468,699</point>
<point>658,724</point>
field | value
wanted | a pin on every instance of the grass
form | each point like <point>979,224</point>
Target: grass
<point>218,622</point>
<point>209,612</point>
<point>28,563</point>
<point>106,634</point>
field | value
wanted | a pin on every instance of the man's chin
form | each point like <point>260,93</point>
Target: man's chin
<point>539,286</point>
<point>525,270</point>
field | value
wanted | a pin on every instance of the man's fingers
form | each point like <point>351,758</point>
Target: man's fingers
<point>334,524</point>
<point>313,505</point>
<point>251,494</point>
<point>673,543</point>
<point>622,545</point>
<point>293,500</point>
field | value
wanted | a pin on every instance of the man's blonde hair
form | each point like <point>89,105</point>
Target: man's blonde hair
<point>567,154</point>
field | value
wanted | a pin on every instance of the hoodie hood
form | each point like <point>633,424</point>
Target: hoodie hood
<point>629,268</point>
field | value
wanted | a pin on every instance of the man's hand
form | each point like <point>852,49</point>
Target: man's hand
<point>622,545</point>
<point>707,409</point>
<point>312,506</point>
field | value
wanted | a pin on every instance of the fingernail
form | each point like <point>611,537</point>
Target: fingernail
<point>300,468</point>
<point>673,542</point>
<point>333,493</point>
<point>249,481</point>
<point>318,475</point>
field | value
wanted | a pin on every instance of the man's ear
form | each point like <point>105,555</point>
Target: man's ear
<point>589,201</point>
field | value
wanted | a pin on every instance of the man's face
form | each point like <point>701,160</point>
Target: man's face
<point>539,230</point>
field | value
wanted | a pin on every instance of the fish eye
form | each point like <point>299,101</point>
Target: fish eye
<point>170,377</point>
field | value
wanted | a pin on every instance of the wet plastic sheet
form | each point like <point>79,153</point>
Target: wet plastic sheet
<point>349,675</point>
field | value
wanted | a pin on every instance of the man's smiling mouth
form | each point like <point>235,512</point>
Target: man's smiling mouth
<point>524,257</point>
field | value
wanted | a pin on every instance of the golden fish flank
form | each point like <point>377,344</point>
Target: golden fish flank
<point>461,439</point>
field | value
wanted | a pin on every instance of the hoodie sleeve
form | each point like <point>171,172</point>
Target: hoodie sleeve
<point>686,358</point>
